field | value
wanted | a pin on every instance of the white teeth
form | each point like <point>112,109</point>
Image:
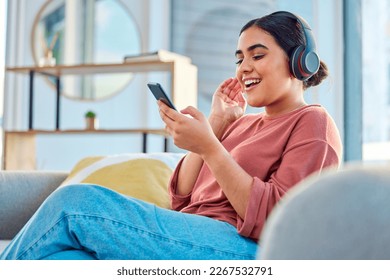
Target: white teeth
<point>252,81</point>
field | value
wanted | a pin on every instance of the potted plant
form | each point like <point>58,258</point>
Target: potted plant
<point>91,120</point>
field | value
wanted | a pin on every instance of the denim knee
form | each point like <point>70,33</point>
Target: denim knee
<point>74,198</point>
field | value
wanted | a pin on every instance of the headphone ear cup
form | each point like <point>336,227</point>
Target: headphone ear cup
<point>303,64</point>
<point>310,63</point>
<point>295,61</point>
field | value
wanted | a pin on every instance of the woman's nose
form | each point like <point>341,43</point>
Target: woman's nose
<point>245,66</point>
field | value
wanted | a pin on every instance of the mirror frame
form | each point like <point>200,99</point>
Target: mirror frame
<point>51,83</point>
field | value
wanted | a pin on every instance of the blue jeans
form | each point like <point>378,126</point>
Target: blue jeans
<point>93,222</point>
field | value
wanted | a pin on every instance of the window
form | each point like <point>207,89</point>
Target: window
<point>376,77</point>
<point>3,17</point>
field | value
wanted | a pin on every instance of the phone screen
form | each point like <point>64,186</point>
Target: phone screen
<point>160,94</point>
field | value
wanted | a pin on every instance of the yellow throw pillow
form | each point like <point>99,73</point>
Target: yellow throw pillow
<point>143,176</point>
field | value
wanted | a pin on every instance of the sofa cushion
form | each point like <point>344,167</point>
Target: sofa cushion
<point>139,175</point>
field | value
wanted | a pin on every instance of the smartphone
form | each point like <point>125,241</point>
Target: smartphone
<point>160,94</point>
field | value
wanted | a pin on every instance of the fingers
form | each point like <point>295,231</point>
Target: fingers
<point>230,88</point>
<point>241,97</point>
<point>193,112</point>
<point>167,114</point>
<point>170,116</point>
<point>225,84</point>
<point>235,91</point>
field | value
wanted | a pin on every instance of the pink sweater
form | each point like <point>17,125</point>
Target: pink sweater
<point>278,152</point>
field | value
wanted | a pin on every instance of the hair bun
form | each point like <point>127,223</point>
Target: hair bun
<point>318,77</point>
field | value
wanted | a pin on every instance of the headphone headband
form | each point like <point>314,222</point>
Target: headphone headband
<point>304,60</point>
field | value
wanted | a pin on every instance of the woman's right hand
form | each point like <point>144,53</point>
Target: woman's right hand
<point>227,106</point>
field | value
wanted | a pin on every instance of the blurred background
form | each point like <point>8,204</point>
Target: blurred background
<point>353,38</point>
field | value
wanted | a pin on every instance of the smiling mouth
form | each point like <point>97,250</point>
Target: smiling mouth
<point>251,83</point>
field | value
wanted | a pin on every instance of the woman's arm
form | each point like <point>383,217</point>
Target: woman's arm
<point>192,163</point>
<point>235,182</point>
<point>227,106</point>
<point>196,135</point>
<point>201,137</point>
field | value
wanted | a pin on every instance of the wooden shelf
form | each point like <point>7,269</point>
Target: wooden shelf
<point>90,69</point>
<point>161,132</point>
<point>20,146</point>
<point>184,75</point>
<point>159,61</point>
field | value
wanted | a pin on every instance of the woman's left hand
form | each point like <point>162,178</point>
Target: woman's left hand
<point>189,129</point>
<point>228,101</point>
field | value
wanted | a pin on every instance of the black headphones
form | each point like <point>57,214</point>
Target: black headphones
<point>304,60</point>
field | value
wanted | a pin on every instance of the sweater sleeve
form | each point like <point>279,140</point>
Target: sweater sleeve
<point>313,144</point>
<point>297,163</point>
<point>178,202</point>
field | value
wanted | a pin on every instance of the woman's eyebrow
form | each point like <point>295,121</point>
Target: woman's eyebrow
<point>251,48</point>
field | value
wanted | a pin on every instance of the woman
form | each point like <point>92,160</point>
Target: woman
<point>238,166</point>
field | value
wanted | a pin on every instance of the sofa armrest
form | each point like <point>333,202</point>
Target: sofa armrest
<point>340,215</point>
<point>21,193</point>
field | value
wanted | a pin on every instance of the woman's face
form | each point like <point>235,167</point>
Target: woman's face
<point>263,72</point>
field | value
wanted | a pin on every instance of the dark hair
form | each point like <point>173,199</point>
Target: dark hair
<point>288,34</point>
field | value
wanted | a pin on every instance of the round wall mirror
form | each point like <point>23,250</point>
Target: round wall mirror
<point>72,32</point>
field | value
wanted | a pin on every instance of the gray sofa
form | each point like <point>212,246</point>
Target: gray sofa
<point>21,193</point>
<point>338,215</point>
